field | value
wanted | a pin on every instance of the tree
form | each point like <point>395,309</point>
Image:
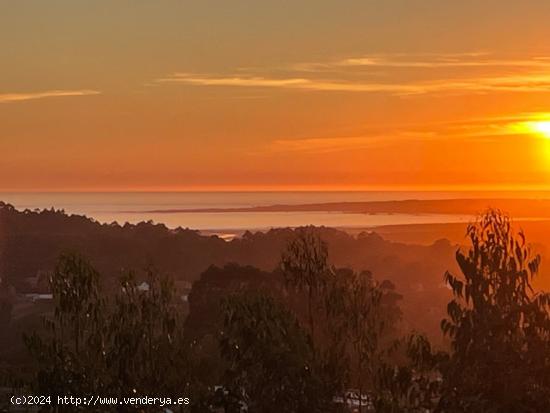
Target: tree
<point>412,386</point>
<point>357,314</point>
<point>93,346</point>
<point>145,338</point>
<point>366,311</point>
<point>499,326</point>
<point>306,269</point>
<point>365,324</point>
<point>305,266</point>
<point>6,303</point>
<point>71,356</point>
<point>271,362</point>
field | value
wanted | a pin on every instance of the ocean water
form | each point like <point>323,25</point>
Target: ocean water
<point>134,207</point>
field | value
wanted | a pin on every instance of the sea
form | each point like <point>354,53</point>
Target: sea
<point>133,207</point>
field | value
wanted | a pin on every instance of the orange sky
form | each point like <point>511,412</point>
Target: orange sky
<point>170,95</point>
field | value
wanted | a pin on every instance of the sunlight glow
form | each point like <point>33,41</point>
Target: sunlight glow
<point>541,127</point>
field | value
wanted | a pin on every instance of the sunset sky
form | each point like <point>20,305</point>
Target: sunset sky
<point>200,95</point>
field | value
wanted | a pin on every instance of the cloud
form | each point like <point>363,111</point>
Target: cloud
<point>234,81</point>
<point>496,127</point>
<point>534,82</point>
<point>349,143</point>
<point>18,97</point>
<point>418,77</point>
<point>426,61</point>
<point>324,145</point>
<point>289,83</point>
<point>476,129</point>
<point>511,125</point>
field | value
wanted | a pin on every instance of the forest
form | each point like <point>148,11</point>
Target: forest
<point>309,334</point>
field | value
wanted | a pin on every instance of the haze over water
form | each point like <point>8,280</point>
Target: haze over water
<point>134,207</point>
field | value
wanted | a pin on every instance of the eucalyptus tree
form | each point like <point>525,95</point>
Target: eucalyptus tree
<point>128,345</point>
<point>71,353</point>
<point>271,364</point>
<point>305,266</point>
<point>308,274</point>
<point>498,324</point>
<point>354,313</point>
<point>144,354</point>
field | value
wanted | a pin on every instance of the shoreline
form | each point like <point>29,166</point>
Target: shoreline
<point>517,207</point>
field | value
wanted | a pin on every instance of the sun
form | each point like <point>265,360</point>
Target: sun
<point>540,127</point>
<point>536,124</point>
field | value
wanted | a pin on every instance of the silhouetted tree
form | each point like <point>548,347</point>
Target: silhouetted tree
<point>366,313</point>
<point>145,338</point>
<point>363,322</point>
<point>305,266</point>
<point>413,386</point>
<point>271,361</point>
<point>498,325</point>
<point>311,279</point>
<point>71,356</point>
<point>6,303</point>
<point>131,346</point>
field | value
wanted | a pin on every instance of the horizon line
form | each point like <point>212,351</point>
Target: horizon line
<point>253,189</point>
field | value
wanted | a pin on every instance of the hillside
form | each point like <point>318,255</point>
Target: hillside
<point>32,240</point>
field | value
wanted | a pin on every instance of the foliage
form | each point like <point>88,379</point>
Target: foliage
<point>297,348</point>
<point>72,355</point>
<point>144,337</point>
<point>498,324</point>
<point>355,300</point>
<point>271,362</point>
<point>6,303</point>
<point>414,386</point>
<point>305,266</point>
<point>125,347</point>
<point>310,278</point>
<point>355,314</point>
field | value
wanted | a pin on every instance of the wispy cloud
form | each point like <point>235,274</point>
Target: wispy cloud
<point>349,143</point>
<point>396,74</point>
<point>288,83</point>
<point>18,97</point>
<point>486,129</point>
<point>324,145</point>
<point>426,61</point>
<point>534,82</point>
<point>511,125</point>
<point>233,81</point>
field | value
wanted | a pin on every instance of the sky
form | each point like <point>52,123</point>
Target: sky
<point>272,95</point>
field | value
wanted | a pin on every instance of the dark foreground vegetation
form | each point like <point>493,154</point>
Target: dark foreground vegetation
<point>32,241</point>
<point>298,338</point>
